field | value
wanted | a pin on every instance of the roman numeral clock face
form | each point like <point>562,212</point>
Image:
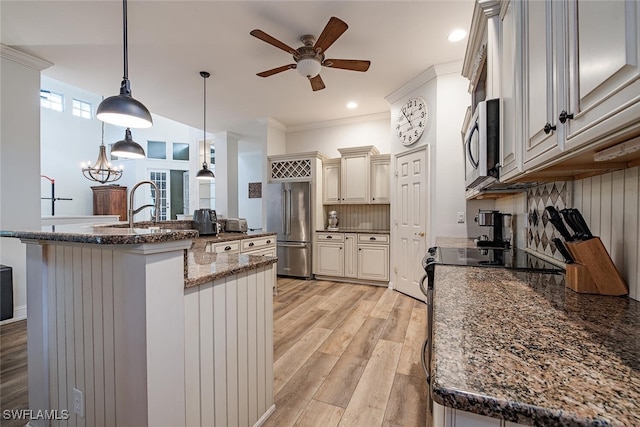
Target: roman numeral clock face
<point>412,121</point>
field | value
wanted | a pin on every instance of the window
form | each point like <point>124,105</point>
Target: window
<point>180,151</point>
<point>51,100</point>
<point>81,109</point>
<point>213,156</point>
<point>156,150</point>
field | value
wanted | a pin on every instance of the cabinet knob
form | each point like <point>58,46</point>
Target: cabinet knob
<point>374,198</point>
<point>251,244</point>
<point>548,128</point>
<point>227,248</point>
<point>564,116</point>
<point>359,249</point>
<point>268,241</point>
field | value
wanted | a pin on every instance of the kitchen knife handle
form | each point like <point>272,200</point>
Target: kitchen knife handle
<point>563,250</point>
<point>582,223</point>
<point>556,220</point>
<point>570,220</point>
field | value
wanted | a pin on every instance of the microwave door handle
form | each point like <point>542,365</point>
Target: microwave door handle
<point>473,161</point>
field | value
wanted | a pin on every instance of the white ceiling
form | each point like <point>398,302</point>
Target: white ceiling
<point>171,41</point>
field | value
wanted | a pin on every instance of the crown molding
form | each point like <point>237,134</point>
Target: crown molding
<point>268,121</point>
<point>426,76</point>
<point>15,55</point>
<point>340,122</point>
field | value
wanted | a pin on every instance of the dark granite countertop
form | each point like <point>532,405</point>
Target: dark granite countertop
<point>355,230</point>
<point>521,346</point>
<point>103,235</point>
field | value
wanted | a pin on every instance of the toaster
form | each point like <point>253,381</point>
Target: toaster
<point>236,225</point>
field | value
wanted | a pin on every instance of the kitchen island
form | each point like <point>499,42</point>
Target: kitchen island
<point>146,328</point>
<point>520,347</point>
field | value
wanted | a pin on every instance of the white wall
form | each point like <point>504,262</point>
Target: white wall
<point>250,170</point>
<point>329,136</point>
<point>19,162</point>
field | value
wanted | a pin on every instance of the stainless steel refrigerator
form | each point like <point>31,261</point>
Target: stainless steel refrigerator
<point>289,214</point>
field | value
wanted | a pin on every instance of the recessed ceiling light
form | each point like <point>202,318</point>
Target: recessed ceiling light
<point>352,105</point>
<point>457,35</point>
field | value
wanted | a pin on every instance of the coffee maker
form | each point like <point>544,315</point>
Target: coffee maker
<point>498,221</point>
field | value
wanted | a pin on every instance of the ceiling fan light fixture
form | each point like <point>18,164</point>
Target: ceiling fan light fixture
<point>128,148</point>
<point>309,67</point>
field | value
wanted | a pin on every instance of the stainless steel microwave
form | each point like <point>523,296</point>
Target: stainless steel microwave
<point>482,145</point>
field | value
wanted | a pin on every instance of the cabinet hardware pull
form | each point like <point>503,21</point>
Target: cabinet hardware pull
<point>227,248</point>
<point>268,241</point>
<point>372,238</point>
<point>374,198</point>
<point>564,116</point>
<point>359,249</point>
<point>548,128</point>
<point>251,244</point>
<point>329,237</point>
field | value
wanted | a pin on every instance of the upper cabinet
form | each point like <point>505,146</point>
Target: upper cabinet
<point>360,176</point>
<point>601,98</point>
<point>380,183</point>
<point>568,76</point>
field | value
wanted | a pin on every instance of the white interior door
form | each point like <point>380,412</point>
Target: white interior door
<point>410,221</point>
<point>161,178</point>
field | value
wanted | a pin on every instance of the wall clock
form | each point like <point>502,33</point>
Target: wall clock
<point>411,121</point>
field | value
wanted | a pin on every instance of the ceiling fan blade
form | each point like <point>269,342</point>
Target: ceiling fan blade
<point>334,29</point>
<point>276,70</point>
<point>347,64</point>
<point>317,83</point>
<point>273,41</point>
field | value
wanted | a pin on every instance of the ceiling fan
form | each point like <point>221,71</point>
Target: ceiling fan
<point>310,57</point>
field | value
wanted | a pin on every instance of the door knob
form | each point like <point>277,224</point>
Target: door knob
<point>421,234</point>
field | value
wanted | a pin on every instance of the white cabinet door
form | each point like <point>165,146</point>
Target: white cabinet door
<point>330,259</point>
<point>354,178</point>
<point>380,179</point>
<point>350,255</point>
<point>542,137</point>
<point>510,90</point>
<point>331,182</point>
<point>603,70</point>
<point>373,262</point>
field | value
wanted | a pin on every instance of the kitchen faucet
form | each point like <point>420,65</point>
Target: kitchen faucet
<point>132,212</point>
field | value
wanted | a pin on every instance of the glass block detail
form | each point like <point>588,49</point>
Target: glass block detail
<point>288,169</point>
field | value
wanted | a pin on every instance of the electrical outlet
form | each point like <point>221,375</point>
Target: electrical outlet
<point>78,402</point>
<point>460,217</point>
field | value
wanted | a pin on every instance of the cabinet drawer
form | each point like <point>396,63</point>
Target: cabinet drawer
<point>228,247</point>
<point>373,238</point>
<point>330,237</point>
<point>257,243</point>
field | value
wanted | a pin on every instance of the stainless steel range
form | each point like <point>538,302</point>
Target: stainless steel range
<point>514,259</point>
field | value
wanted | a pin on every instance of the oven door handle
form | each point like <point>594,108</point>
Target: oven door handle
<point>421,283</point>
<point>423,357</point>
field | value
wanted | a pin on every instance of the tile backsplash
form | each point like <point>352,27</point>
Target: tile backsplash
<point>540,230</point>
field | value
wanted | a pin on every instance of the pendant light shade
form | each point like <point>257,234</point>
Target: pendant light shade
<point>205,172</point>
<point>128,148</point>
<point>123,109</point>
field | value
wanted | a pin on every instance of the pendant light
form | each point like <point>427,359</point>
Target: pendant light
<point>205,172</point>
<point>102,171</point>
<point>127,148</point>
<point>123,109</point>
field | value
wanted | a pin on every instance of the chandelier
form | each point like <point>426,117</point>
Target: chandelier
<point>102,171</point>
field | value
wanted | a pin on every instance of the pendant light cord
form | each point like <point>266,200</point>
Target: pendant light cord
<point>126,48</point>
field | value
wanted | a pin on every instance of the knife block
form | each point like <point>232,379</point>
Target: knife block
<point>594,272</point>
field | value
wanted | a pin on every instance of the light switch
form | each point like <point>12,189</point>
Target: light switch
<point>460,217</point>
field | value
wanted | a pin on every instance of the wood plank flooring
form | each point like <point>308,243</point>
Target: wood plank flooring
<point>347,355</point>
<point>344,355</point>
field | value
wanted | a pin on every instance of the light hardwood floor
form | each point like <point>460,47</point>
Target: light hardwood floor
<point>347,355</point>
<point>344,355</point>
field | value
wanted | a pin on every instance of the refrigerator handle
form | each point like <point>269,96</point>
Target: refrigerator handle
<point>289,214</point>
<point>284,210</point>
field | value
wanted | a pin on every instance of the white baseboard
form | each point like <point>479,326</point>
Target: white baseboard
<point>19,313</point>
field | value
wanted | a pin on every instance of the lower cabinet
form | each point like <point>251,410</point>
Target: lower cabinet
<point>352,256</point>
<point>449,417</point>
